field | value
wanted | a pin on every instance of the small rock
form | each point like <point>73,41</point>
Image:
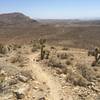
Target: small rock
<point>96,89</point>
<point>23,78</point>
<point>22,91</point>
<point>42,98</point>
<point>2,72</point>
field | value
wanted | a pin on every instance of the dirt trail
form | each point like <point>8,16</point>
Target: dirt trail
<point>44,76</point>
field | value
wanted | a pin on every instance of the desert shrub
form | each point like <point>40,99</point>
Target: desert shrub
<point>15,46</point>
<point>35,46</point>
<point>19,59</point>
<point>2,49</point>
<point>87,72</point>
<point>27,73</point>
<point>76,79</point>
<point>69,62</point>
<point>34,49</point>
<point>52,47</point>
<point>62,55</point>
<point>97,71</point>
<point>47,54</point>
<point>55,62</point>
<point>65,48</point>
<point>16,59</point>
<point>64,70</point>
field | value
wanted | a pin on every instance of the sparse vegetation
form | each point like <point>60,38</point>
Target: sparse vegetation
<point>55,62</point>
<point>87,72</point>
<point>76,79</point>
<point>42,43</point>
<point>62,55</point>
<point>2,49</point>
<point>63,68</point>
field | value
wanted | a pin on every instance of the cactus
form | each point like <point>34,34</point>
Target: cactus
<point>42,43</point>
<point>97,56</point>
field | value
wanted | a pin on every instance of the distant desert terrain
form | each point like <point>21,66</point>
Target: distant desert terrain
<point>48,59</point>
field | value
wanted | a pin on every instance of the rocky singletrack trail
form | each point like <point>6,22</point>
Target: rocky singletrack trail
<point>43,76</point>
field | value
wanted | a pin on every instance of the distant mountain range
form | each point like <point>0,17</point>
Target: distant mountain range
<point>15,19</point>
<point>19,19</point>
<point>70,21</point>
<point>19,28</point>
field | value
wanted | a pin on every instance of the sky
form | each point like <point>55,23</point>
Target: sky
<point>53,9</point>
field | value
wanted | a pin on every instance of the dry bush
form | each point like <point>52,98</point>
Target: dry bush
<point>65,48</point>
<point>3,49</point>
<point>28,74</point>
<point>76,79</point>
<point>69,62</point>
<point>87,72</point>
<point>14,46</point>
<point>52,47</point>
<point>34,49</point>
<point>18,58</point>
<point>35,46</point>
<point>62,55</point>
<point>97,71</point>
<point>55,62</point>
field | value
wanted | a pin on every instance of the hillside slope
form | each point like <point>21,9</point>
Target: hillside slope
<point>15,19</point>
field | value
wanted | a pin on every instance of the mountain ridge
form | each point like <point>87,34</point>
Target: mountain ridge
<point>15,18</point>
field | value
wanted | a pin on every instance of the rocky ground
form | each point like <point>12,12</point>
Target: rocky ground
<point>66,75</point>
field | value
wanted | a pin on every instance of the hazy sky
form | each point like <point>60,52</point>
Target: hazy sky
<point>60,9</point>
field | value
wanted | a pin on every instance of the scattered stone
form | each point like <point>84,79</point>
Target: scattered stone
<point>22,91</point>
<point>96,89</point>
<point>23,78</point>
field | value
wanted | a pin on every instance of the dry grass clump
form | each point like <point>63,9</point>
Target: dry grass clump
<point>76,79</point>
<point>87,72</point>
<point>60,59</point>
<point>18,58</point>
